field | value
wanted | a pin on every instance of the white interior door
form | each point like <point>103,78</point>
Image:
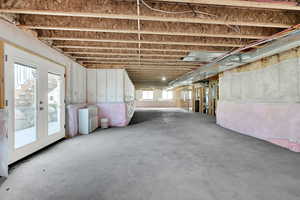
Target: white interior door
<point>35,94</point>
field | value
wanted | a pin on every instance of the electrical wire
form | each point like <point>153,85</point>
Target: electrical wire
<point>176,12</point>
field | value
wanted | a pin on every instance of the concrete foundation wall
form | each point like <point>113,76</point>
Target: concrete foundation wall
<point>262,99</point>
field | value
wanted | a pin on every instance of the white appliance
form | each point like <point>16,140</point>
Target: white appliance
<point>88,119</point>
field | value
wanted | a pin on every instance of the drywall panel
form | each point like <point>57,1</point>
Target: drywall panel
<point>91,86</point>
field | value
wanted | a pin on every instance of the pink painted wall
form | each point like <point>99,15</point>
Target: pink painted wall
<point>278,123</point>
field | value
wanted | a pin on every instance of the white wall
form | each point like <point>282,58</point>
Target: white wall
<point>109,85</point>
<point>277,83</point>
<point>77,84</point>
<point>23,39</point>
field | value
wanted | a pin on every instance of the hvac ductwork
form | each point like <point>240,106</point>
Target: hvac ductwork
<point>274,45</point>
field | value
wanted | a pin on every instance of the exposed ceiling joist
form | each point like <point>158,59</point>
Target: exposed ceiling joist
<point>145,18</point>
<point>142,59</point>
<point>242,36</point>
<point>128,49</point>
<point>277,5</point>
<point>132,68</point>
<point>152,64</point>
<point>124,63</point>
<point>142,41</point>
<point>124,54</point>
<point>149,41</point>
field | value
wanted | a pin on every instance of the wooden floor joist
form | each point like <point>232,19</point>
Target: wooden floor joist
<point>150,38</point>
<point>277,5</point>
<point>145,18</point>
<point>136,59</point>
<point>153,64</point>
<point>124,54</point>
<point>143,32</point>
<point>142,41</point>
<point>130,49</point>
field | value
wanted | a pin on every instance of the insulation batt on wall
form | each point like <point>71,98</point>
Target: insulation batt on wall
<point>266,96</point>
<point>113,92</point>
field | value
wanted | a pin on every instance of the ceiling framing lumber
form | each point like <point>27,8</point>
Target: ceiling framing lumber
<point>142,41</point>
<point>137,68</point>
<point>145,18</point>
<point>128,49</point>
<point>153,64</point>
<point>277,5</point>
<point>123,54</point>
<point>123,59</point>
<point>243,36</point>
<point>149,39</point>
<point>119,63</point>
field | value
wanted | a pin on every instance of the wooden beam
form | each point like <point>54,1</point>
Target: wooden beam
<point>143,68</point>
<point>239,36</point>
<point>124,64</point>
<point>145,18</point>
<point>2,83</point>
<point>128,49</point>
<point>124,54</point>
<point>141,41</point>
<point>136,59</point>
<point>277,5</point>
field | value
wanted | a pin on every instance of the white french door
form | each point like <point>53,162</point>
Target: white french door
<point>35,92</point>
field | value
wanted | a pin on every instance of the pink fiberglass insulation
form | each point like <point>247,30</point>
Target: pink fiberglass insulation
<point>117,113</point>
<point>3,144</point>
<point>278,123</point>
<point>72,119</point>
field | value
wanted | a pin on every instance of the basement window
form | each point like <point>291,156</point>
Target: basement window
<point>147,95</point>
<point>167,95</point>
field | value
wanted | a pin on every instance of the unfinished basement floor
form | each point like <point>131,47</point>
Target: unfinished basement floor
<point>165,154</point>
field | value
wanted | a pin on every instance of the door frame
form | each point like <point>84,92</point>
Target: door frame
<point>17,55</point>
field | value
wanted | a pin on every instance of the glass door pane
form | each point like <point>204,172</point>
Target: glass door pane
<point>54,103</point>
<point>25,105</point>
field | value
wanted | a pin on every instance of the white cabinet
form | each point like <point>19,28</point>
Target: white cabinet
<point>88,119</point>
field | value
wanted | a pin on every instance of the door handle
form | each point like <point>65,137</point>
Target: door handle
<point>41,108</point>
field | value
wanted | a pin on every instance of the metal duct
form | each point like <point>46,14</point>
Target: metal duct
<point>288,41</point>
<point>202,56</point>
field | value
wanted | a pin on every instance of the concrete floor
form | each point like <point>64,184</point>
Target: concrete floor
<point>163,155</point>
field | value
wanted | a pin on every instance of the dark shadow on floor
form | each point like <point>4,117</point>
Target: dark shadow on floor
<point>149,114</point>
<point>2,179</point>
<point>140,117</point>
